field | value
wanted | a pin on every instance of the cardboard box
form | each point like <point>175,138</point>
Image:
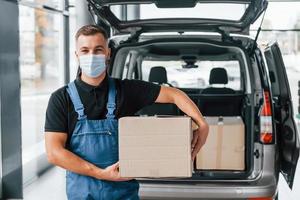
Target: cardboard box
<point>155,146</point>
<point>225,145</point>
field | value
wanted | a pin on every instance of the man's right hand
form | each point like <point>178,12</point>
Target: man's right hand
<point>112,173</point>
<point>57,154</point>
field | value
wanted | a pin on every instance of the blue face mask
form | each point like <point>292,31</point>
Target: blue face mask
<point>92,65</point>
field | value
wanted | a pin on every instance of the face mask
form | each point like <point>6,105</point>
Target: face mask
<point>92,65</point>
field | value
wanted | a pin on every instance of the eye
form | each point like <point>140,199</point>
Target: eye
<point>84,51</point>
<point>99,50</point>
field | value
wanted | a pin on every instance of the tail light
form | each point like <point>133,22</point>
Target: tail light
<point>266,125</point>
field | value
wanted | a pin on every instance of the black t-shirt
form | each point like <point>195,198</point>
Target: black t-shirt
<point>132,95</point>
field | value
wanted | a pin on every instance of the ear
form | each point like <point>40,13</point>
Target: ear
<point>77,56</point>
<point>108,53</point>
<point>107,59</point>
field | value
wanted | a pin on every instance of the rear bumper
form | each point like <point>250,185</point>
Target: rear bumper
<point>264,186</point>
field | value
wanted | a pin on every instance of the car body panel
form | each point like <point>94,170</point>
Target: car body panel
<point>264,178</point>
<point>264,186</point>
<point>102,9</point>
<point>287,132</point>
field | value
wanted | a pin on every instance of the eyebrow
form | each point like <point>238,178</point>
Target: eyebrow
<point>99,46</point>
<point>83,48</point>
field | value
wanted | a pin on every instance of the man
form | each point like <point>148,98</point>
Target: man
<point>81,121</point>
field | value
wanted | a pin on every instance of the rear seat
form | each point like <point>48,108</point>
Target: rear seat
<point>158,75</point>
<point>220,101</point>
<point>218,76</point>
<point>221,104</point>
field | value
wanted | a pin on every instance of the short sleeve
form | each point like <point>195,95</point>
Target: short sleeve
<point>56,114</point>
<point>139,94</point>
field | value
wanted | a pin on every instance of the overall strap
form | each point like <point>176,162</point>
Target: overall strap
<point>111,103</point>
<point>75,98</point>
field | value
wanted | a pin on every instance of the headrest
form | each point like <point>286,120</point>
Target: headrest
<point>218,76</point>
<point>158,74</point>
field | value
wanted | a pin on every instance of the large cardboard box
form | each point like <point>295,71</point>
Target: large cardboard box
<point>155,146</point>
<point>225,145</point>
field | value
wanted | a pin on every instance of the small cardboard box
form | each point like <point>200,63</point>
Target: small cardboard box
<point>155,146</point>
<point>225,145</point>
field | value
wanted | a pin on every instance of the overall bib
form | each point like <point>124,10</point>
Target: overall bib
<point>96,141</point>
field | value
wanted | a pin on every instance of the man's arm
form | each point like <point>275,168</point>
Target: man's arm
<point>58,155</point>
<point>184,103</point>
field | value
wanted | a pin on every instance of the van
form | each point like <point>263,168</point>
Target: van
<point>224,71</point>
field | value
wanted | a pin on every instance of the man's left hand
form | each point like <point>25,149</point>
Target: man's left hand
<point>199,139</point>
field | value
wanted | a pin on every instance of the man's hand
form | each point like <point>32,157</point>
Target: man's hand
<point>111,173</point>
<point>186,105</point>
<point>58,155</point>
<point>199,139</point>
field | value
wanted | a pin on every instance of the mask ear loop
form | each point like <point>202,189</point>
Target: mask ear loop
<point>78,71</point>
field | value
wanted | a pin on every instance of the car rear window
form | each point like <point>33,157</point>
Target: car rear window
<point>181,77</point>
<point>226,11</point>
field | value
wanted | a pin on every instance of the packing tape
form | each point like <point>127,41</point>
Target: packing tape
<point>219,143</point>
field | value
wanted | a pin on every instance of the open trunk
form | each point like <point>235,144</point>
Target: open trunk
<point>233,16</point>
<point>189,62</point>
<point>186,62</point>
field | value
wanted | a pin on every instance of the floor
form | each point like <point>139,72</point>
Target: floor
<point>52,183</point>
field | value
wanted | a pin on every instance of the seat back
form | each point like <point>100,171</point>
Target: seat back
<point>221,104</point>
<point>219,101</point>
<point>218,76</point>
<point>158,75</point>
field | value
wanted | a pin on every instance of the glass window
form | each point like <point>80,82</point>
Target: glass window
<point>73,29</point>
<point>57,4</point>
<point>181,77</point>
<point>41,68</point>
<point>204,10</point>
<point>126,66</point>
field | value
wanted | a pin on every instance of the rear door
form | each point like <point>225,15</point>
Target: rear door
<point>130,16</point>
<point>288,139</point>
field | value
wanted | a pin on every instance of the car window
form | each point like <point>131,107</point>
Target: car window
<point>227,11</point>
<point>181,77</point>
<point>126,67</point>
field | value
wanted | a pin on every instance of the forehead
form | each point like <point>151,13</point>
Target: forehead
<point>91,40</point>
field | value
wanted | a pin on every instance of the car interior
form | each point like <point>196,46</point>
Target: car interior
<point>154,62</point>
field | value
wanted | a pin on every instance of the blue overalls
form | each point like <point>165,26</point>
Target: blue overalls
<point>96,141</point>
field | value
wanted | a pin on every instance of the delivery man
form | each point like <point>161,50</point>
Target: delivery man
<point>82,121</point>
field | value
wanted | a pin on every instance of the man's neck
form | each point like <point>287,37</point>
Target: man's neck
<point>93,81</point>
